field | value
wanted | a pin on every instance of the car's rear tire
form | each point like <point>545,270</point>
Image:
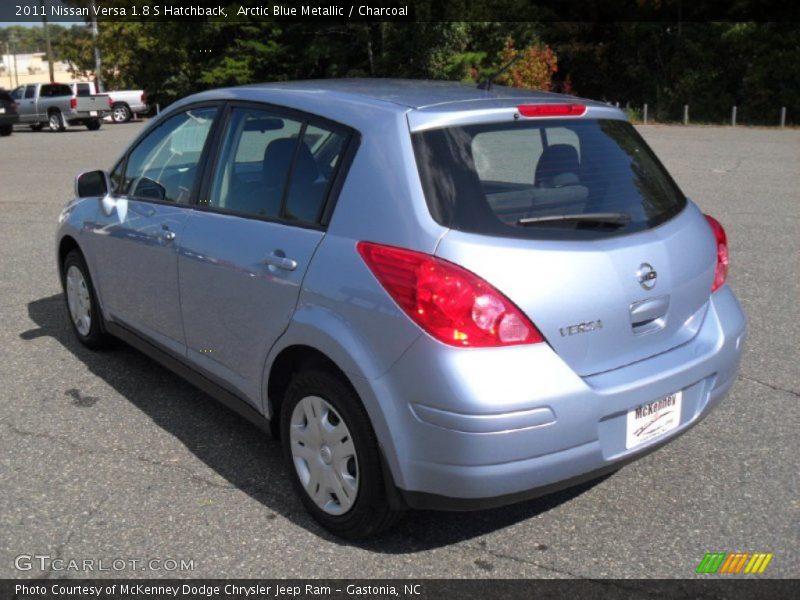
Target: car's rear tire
<point>55,121</point>
<point>82,307</point>
<point>120,113</point>
<point>5,130</point>
<point>332,455</point>
<point>93,125</point>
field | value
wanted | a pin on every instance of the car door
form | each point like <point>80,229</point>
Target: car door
<point>139,227</point>
<point>26,96</point>
<point>249,242</point>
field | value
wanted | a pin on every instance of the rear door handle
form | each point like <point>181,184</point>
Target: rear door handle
<point>279,260</point>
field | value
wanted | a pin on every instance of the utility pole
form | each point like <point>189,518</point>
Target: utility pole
<point>10,77</point>
<point>98,82</point>
<point>16,72</point>
<point>48,48</point>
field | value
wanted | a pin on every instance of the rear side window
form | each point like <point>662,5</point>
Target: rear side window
<point>520,179</point>
<point>30,91</point>
<point>254,163</point>
<point>317,159</point>
<point>274,166</point>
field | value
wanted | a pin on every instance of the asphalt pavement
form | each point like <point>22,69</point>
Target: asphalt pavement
<point>107,456</point>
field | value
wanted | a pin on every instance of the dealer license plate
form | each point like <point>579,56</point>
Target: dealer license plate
<point>92,113</point>
<point>653,419</point>
<point>2,110</point>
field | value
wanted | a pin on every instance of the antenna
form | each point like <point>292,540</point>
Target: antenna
<point>487,85</point>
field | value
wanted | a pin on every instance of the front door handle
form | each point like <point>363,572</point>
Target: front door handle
<point>278,259</point>
<point>167,234</point>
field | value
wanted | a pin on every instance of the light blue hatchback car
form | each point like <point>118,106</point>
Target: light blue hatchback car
<point>437,296</point>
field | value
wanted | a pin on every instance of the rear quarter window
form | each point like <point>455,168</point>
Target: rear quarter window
<point>519,179</point>
<point>55,89</point>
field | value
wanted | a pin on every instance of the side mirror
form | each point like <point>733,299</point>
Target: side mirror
<point>92,184</point>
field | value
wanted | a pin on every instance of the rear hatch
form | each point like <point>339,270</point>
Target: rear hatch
<point>576,222</point>
<point>94,105</point>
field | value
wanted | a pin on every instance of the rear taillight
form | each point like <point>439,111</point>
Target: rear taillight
<point>448,302</point>
<point>110,102</point>
<point>73,103</point>
<point>721,272</point>
<point>551,110</point>
<point>143,98</point>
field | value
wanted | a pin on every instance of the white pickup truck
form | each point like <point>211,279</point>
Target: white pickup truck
<point>124,103</point>
<point>54,104</point>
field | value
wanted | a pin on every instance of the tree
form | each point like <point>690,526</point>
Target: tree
<point>534,69</point>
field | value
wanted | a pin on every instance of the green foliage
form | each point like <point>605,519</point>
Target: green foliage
<point>533,67</point>
<point>710,66</point>
<point>25,40</point>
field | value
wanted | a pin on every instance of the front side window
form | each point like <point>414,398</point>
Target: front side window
<point>164,165</point>
<point>578,178</point>
<point>275,166</point>
<point>30,91</point>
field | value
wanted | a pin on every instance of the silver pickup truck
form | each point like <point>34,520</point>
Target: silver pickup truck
<point>54,105</point>
<point>124,103</point>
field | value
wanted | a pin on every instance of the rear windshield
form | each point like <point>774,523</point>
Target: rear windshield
<point>574,178</point>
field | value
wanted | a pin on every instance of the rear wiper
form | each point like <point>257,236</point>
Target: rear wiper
<point>604,218</point>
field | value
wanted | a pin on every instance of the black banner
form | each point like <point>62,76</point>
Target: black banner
<point>65,11</point>
<point>400,589</point>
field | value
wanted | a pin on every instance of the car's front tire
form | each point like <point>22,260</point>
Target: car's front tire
<point>82,307</point>
<point>332,455</point>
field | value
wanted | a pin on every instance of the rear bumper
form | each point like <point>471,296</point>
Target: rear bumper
<point>475,429</point>
<point>82,117</point>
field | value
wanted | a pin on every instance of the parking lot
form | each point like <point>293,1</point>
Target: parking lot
<point>109,456</point>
